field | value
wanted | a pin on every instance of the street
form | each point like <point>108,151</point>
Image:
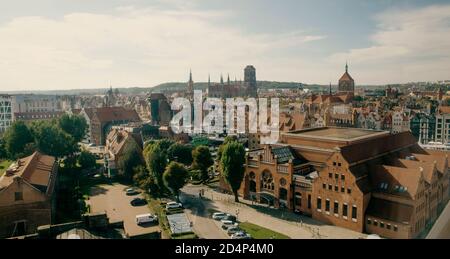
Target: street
<point>287,223</point>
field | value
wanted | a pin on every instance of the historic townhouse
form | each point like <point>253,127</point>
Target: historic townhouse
<point>367,181</point>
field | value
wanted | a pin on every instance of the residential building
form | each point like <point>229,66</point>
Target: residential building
<point>6,116</point>
<point>101,120</point>
<point>27,194</point>
<point>119,141</point>
<point>443,125</point>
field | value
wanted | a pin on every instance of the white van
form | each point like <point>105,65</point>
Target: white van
<point>145,219</point>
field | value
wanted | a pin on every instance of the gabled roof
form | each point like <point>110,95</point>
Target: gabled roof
<point>396,180</point>
<point>108,114</point>
<point>36,170</point>
<point>346,77</point>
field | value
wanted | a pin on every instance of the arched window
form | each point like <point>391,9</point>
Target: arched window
<point>267,181</point>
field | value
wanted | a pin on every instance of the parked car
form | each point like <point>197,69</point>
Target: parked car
<point>131,191</point>
<point>173,205</point>
<point>146,218</point>
<point>227,224</point>
<point>219,215</point>
<point>138,202</point>
<point>230,218</point>
<point>233,230</point>
<point>241,235</point>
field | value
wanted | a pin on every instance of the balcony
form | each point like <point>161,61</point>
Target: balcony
<point>253,163</point>
<point>283,169</point>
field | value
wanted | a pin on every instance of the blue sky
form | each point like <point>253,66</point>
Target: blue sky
<point>62,44</point>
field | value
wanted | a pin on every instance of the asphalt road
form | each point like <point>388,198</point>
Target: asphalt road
<point>197,211</point>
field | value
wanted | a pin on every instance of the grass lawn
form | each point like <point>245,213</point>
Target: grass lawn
<point>259,232</point>
<point>4,165</point>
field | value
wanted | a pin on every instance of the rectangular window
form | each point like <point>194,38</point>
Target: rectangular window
<point>336,188</point>
<point>330,175</point>
<point>336,207</point>
<point>381,225</point>
<point>342,177</point>
<point>395,228</point>
<point>342,189</point>
<point>345,210</point>
<point>330,187</point>
<point>349,191</point>
<point>339,164</point>
<point>319,203</point>
<point>324,186</point>
<point>354,212</point>
<point>18,196</point>
<point>336,176</point>
<point>327,205</point>
<point>369,222</point>
<point>388,226</point>
<point>334,163</point>
<point>375,223</point>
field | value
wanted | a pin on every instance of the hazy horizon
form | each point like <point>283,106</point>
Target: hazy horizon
<point>74,45</point>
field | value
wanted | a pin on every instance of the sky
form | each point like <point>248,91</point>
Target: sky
<point>81,44</point>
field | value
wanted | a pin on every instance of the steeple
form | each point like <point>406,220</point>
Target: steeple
<point>221,79</point>
<point>330,89</point>
<point>209,80</point>
<point>228,80</point>
<point>190,75</point>
<point>346,67</point>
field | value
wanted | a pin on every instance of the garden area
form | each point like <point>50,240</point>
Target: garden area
<point>258,232</point>
<point>4,165</point>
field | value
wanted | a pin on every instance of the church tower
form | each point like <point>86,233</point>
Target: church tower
<point>250,81</point>
<point>346,83</point>
<point>190,86</point>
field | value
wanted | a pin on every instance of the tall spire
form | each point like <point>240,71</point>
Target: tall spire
<point>209,80</point>
<point>346,67</point>
<point>221,79</point>
<point>190,75</point>
<point>330,89</point>
<point>228,79</point>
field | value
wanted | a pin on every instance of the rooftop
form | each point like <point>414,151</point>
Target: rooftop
<point>342,134</point>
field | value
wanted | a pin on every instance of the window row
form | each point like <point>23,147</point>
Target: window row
<point>336,188</point>
<point>381,224</point>
<point>336,176</point>
<point>337,209</point>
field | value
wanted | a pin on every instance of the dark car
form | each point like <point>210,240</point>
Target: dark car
<point>230,218</point>
<point>138,202</point>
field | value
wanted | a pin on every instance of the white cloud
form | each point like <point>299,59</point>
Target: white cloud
<point>130,47</point>
<point>409,45</point>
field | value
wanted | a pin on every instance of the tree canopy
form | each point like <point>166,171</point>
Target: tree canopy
<point>202,160</point>
<point>180,153</point>
<point>232,164</point>
<point>16,138</point>
<point>175,177</point>
<point>73,125</point>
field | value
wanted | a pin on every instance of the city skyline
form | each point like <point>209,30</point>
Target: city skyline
<point>71,45</point>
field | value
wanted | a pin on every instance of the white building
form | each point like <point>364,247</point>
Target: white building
<point>5,112</point>
<point>443,125</point>
<point>30,103</point>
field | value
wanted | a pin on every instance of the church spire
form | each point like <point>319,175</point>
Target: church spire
<point>221,79</point>
<point>228,79</point>
<point>346,67</point>
<point>330,89</point>
<point>190,75</point>
<point>209,79</point>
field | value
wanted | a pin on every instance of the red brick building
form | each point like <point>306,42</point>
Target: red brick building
<point>367,181</point>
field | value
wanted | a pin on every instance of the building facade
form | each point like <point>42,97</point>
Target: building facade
<point>27,195</point>
<point>443,125</point>
<point>6,115</point>
<point>346,83</point>
<point>364,180</point>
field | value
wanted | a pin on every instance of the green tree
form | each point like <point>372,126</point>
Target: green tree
<point>180,153</point>
<point>17,138</point>
<point>232,164</point>
<point>86,160</point>
<point>53,141</point>
<point>74,125</point>
<point>202,160</point>
<point>130,160</point>
<point>164,144</point>
<point>175,177</point>
<point>144,180</point>
<point>3,153</point>
<point>156,161</point>
<point>227,140</point>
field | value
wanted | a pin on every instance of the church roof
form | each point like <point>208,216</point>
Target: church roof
<point>346,77</point>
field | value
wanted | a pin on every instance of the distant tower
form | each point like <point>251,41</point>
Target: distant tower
<point>346,83</point>
<point>209,80</point>
<point>221,79</point>
<point>250,81</point>
<point>190,86</point>
<point>228,79</point>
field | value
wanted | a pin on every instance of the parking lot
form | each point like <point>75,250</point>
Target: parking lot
<point>113,200</point>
